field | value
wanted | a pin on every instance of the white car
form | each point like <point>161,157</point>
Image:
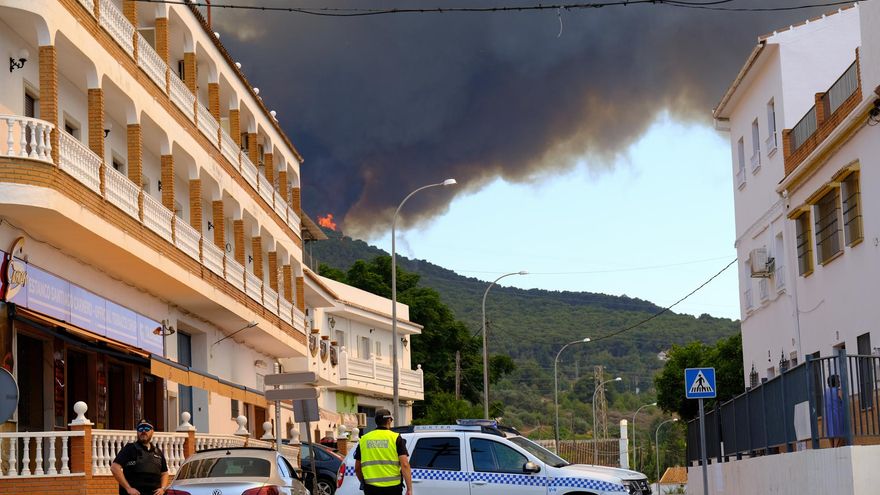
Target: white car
<point>480,460</point>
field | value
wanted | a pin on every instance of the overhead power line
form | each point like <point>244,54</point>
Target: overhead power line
<point>364,12</point>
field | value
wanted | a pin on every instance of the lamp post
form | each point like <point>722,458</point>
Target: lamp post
<point>657,444</point>
<point>556,387</point>
<point>395,369</point>
<point>595,444</point>
<point>635,433</point>
<point>486,342</point>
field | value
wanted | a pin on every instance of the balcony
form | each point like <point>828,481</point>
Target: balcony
<point>115,23</point>
<point>151,63</point>
<point>370,376</point>
<point>27,138</point>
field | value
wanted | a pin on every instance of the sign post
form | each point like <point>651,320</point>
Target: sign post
<point>699,383</point>
<point>304,395</point>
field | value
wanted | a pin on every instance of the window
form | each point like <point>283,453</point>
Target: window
<point>865,369</point>
<point>72,128</point>
<point>378,349</point>
<point>756,146</point>
<point>741,163</point>
<point>804,244</point>
<point>224,467</point>
<point>118,166</point>
<point>494,457</point>
<point>363,348</point>
<point>234,409</point>
<point>852,211</point>
<point>437,453</point>
<point>771,127</point>
<point>30,105</point>
<point>181,70</point>
<point>779,257</point>
<point>340,338</point>
<point>282,468</point>
<point>828,226</point>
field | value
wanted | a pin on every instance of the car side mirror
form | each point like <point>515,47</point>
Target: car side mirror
<point>531,468</point>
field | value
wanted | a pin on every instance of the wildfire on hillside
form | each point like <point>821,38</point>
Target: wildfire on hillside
<point>327,221</point>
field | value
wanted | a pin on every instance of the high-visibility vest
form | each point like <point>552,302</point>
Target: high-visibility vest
<point>380,463</point>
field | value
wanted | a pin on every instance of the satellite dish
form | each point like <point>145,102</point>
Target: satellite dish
<point>8,395</point>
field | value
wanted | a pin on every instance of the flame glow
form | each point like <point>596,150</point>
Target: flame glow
<point>327,221</point>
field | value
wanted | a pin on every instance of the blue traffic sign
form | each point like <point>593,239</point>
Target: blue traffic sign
<point>699,383</point>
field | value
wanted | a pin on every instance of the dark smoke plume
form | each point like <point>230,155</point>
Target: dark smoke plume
<point>381,105</point>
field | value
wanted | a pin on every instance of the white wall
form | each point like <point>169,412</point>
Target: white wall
<point>12,95</point>
<point>870,51</point>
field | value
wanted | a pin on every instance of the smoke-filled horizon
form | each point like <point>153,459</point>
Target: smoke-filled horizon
<point>379,106</point>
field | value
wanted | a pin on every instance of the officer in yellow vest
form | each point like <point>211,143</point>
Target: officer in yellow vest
<point>381,459</point>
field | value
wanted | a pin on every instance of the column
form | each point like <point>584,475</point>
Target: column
<point>219,225</point>
<point>195,204</point>
<point>214,99</point>
<point>235,125</point>
<point>49,93</point>
<point>135,163</point>
<point>287,275</point>
<point>162,45</point>
<point>257,252</point>
<point>252,147</point>
<point>189,71</point>
<point>273,270</point>
<point>269,168</point>
<point>167,163</point>
<point>295,201</point>
<point>238,234</point>
<point>96,126</point>
<point>300,294</point>
<point>282,185</point>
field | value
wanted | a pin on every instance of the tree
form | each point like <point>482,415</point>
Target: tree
<point>725,356</point>
<point>442,336</point>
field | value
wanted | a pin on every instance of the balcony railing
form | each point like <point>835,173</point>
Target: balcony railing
<point>229,148</point>
<point>27,138</point>
<point>157,218</point>
<point>234,273</point>
<point>50,454</point>
<point>299,320</point>
<point>186,238</point>
<point>285,308</point>
<point>254,287</point>
<point>80,162</point>
<point>267,192</point>
<point>208,124</point>
<point>293,219</point>
<point>803,129</point>
<point>182,97</point>
<point>121,191</point>
<point>89,5</point>
<point>106,443</point>
<point>841,90</point>
<point>280,206</point>
<point>369,374</point>
<point>212,257</point>
<point>151,62</point>
<point>117,25</point>
<point>249,170</point>
<point>270,299</point>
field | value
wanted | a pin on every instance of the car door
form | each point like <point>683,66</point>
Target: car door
<point>497,469</point>
<point>438,465</point>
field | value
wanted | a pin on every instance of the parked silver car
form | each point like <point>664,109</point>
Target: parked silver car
<point>236,471</point>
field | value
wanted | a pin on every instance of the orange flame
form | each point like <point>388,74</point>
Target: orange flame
<point>327,221</point>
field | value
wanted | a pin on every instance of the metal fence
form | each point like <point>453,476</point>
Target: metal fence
<point>583,451</point>
<point>823,402</point>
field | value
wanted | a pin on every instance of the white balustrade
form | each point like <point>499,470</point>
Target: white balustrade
<point>151,62</point>
<point>212,257</point>
<point>254,287</point>
<point>249,170</point>
<point>182,96</point>
<point>26,138</point>
<point>105,445</point>
<point>43,453</point>
<point>172,446</point>
<point>285,310</point>
<point>89,5</point>
<point>371,375</point>
<point>299,320</point>
<point>270,299</point>
<point>267,192</point>
<point>208,124</point>
<point>186,238</point>
<point>157,218</point>
<point>280,206</point>
<point>79,162</point>
<point>293,219</point>
<point>204,441</point>
<point>234,273</point>
<point>121,191</point>
<point>229,149</point>
<point>113,20</point>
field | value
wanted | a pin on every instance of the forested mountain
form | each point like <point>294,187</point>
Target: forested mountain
<point>531,326</point>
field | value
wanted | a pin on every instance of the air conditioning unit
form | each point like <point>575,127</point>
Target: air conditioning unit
<point>760,263</point>
<point>362,420</point>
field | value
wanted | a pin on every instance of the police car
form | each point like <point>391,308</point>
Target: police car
<point>483,460</point>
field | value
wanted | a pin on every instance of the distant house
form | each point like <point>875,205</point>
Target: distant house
<point>662,355</point>
<point>674,480</point>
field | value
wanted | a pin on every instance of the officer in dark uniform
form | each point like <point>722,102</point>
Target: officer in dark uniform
<point>140,467</point>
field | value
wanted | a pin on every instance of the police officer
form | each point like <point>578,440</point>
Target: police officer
<point>381,459</point>
<point>140,467</point>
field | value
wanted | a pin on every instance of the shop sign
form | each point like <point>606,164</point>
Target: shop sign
<point>14,271</point>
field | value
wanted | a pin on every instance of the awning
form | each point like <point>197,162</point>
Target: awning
<point>186,376</point>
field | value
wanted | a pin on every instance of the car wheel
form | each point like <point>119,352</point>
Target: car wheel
<point>325,486</point>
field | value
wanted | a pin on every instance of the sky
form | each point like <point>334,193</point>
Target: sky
<point>655,225</point>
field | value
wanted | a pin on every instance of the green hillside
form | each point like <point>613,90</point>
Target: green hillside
<point>531,325</point>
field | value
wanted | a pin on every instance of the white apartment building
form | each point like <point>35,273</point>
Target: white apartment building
<point>350,349</point>
<point>801,153</point>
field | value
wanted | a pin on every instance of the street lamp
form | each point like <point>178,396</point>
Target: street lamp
<point>635,433</point>
<point>657,444</point>
<point>556,387</point>
<point>595,444</point>
<point>486,342</point>
<point>395,369</point>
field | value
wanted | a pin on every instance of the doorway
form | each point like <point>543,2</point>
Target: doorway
<point>78,381</point>
<point>31,374</point>
<point>117,398</point>
<point>153,400</point>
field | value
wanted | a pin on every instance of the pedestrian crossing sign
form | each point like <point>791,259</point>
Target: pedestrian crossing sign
<point>699,383</point>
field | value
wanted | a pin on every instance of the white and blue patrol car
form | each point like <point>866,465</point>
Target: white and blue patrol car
<point>483,460</point>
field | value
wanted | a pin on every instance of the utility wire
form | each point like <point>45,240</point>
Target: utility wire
<point>364,12</point>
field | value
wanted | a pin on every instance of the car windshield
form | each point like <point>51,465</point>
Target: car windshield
<point>225,467</point>
<point>541,453</point>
